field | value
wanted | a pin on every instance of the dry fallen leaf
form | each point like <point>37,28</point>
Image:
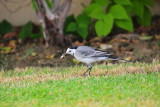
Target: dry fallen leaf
<point>96,39</point>
<point>105,46</point>
<point>135,41</point>
<point>12,44</point>
<point>50,56</point>
<point>34,54</point>
<point>10,35</point>
<point>2,45</point>
<point>157,37</point>
<point>77,43</point>
<point>128,58</point>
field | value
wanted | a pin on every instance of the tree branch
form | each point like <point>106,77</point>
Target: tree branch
<point>49,14</point>
<point>65,6</point>
<point>53,25</point>
<point>56,5</point>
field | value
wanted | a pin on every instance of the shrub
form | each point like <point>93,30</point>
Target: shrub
<point>105,14</point>
<point>5,27</point>
<point>27,32</point>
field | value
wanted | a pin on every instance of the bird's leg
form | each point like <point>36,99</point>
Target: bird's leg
<point>89,69</point>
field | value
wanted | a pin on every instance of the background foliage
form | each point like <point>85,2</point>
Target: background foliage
<point>27,31</point>
<point>105,14</point>
<point>100,16</point>
<point>5,27</point>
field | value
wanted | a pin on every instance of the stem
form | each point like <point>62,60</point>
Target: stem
<point>49,14</point>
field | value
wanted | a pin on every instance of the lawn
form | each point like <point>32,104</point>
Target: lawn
<point>125,84</point>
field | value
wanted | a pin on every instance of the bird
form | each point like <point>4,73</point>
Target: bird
<point>89,55</point>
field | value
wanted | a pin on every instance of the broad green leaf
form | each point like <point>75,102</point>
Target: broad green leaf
<point>83,18</point>
<point>100,28</point>
<point>68,20</point>
<point>146,2</point>
<point>101,2</point>
<point>83,22</point>
<point>128,9</point>
<point>104,27</point>
<point>80,25</point>
<point>83,25</point>
<point>146,19</point>
<point>5,27</point>
<point>71,27</point>
<point>123,2</point>
<point>108,18</point>
<point>26,30</point>
<point>118,12</point>
<point>82,31</point>
<point>138,8</point>
<point>97,13</point>
<point>125,24</point>
<point>91,7</point>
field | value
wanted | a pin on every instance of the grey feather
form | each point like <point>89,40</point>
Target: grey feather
<point>85,51</point>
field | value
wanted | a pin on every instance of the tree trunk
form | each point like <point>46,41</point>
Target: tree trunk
<point>52,21</point>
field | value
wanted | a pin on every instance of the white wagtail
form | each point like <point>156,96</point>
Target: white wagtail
<point>89,55</point>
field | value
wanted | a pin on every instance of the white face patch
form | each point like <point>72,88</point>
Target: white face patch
<point>70,51</point>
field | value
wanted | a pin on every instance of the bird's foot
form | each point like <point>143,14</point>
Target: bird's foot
<point>89,72</point>
<point>85,74</point>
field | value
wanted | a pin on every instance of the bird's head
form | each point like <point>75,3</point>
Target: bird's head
<point>70,51</point>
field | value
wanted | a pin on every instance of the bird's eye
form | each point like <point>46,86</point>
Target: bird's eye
<point>70,51</point>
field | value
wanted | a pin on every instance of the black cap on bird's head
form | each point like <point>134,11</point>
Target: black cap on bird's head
<point>74,47</point>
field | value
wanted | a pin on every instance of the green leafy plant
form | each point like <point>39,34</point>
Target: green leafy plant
<point>105,14</point>
<point>79,25</point>
<point>5,27</point>
<point>27,31</point>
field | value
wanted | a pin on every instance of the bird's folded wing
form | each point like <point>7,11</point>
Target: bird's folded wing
<point>92,53</point>
<point>85,53</point>
<point>100,53</point>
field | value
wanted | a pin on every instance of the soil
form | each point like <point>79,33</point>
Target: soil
<point>133,47</point>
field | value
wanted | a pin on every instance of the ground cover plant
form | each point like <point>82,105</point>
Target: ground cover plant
<point>125,84</point>
<point>102,16</point>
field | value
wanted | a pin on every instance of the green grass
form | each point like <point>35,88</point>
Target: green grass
<point>118,85</point>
